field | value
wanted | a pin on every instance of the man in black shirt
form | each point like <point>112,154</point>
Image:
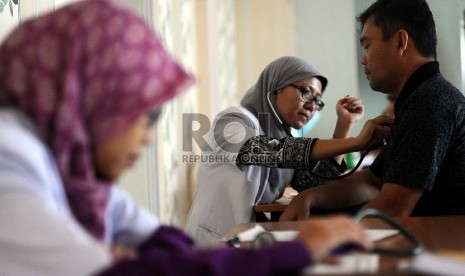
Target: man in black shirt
<point>422,169</point>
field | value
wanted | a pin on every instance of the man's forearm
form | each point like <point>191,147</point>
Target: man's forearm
<point>396,200</point>
<point>350,191</point>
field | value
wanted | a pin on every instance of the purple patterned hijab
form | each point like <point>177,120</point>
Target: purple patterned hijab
<point>83,74</point>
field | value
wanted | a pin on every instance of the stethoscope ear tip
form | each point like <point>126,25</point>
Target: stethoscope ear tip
<point>272,107</point>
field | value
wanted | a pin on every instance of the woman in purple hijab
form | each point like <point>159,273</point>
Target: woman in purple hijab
<point>79,89</point>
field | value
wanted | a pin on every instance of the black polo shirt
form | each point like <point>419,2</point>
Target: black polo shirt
<point>427,145</point>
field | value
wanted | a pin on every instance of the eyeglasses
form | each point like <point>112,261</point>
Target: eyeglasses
<point>307,96</point>
<point>153,116</point>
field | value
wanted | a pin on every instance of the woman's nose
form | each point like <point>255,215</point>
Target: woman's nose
<point>147,137</point>
<point>310,105</point>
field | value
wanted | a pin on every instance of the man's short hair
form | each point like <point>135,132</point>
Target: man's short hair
<point>414,16</point>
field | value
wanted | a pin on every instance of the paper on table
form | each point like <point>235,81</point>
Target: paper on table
<point>435,264</point>
<point>379,234</point>
<point>348,264</point>
<point>353,263</point>
<point>249,235</point>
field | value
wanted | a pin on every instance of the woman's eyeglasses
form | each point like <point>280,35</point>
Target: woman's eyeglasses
<point>153,117</point>
<point>307,96</point>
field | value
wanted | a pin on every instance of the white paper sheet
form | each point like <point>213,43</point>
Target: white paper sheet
<point>434,264</point>
<point>249,235</point>
<point>353,263</point>
<point>349,264</point>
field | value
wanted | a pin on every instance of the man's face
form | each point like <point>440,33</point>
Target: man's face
<point>379,58</point>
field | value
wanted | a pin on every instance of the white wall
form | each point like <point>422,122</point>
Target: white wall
<point>263,35</point>
<point>448,14</point>
<point>326,36</point>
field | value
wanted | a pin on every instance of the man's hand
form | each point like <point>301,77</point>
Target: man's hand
<point>299,208</point>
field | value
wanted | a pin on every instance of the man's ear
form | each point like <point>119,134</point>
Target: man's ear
<point>402,40</point>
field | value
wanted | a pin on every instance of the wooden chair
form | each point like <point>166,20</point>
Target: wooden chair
<point>275,209</point>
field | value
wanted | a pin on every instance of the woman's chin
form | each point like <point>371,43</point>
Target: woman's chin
<point>298,125</point>
<point>106,178</point>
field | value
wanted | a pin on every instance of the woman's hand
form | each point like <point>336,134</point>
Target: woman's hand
<point>120,253</point>
<point>350,109</point>
<point>374,131</point>
<point>322,236</point>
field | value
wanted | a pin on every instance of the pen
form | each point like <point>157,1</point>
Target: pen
<point>232,242</point>
<point>345,248</point>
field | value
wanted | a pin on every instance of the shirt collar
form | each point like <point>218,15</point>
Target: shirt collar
<point>420,75</point>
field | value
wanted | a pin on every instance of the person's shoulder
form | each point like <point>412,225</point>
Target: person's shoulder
<point>235,111</point>
<point>447,89</point>
<point>448,96</point>
<point>436,93</point>
<point>18,141</point>
<point>237,114</point>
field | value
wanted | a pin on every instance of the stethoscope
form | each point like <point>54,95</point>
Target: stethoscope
<point>416,247</point>
<point>267,238</point>
<point>354,169</point>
